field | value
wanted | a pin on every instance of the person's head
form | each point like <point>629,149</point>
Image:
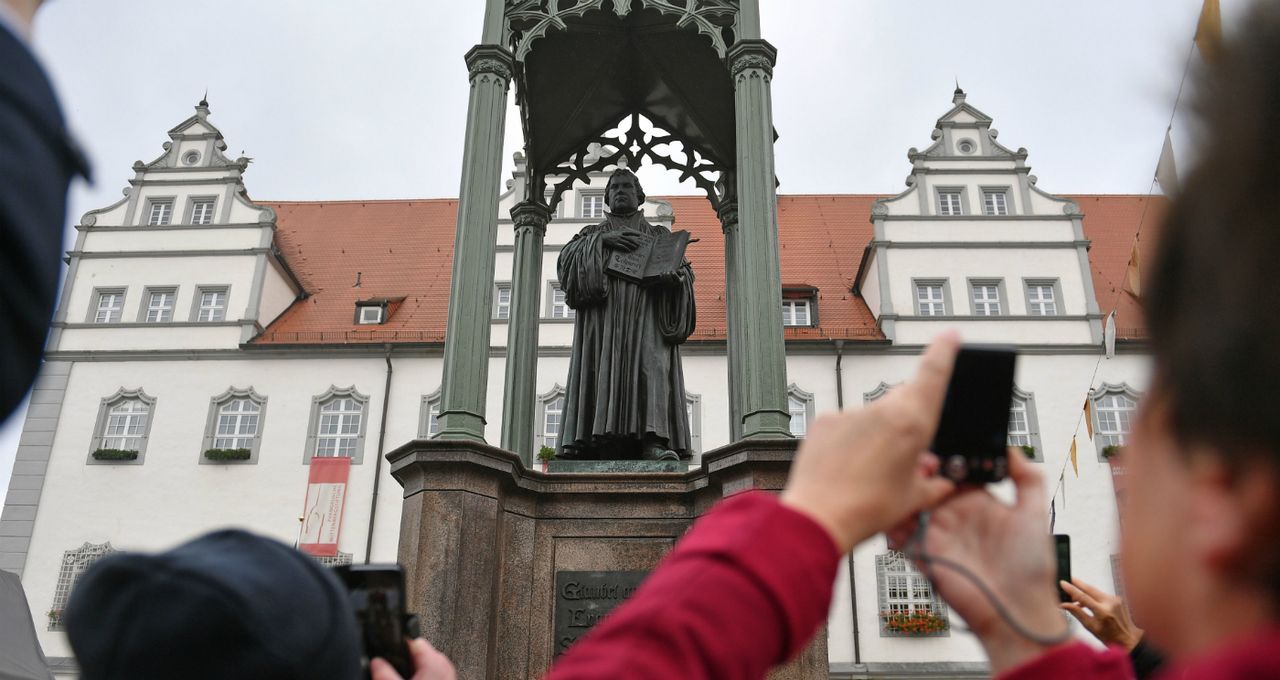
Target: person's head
<point>622,193</point>
<point>1202,524</point>
<point>226,605</point>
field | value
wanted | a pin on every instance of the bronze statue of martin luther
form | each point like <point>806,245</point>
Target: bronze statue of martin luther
<point>625,398</point>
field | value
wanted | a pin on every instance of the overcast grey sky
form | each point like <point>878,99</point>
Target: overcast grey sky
<point>340,100</point>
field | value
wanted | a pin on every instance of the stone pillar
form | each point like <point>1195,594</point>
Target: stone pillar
<point>530,218</point>
<point>466,350</point>
<point>756,278</point>
<point>729,225</point>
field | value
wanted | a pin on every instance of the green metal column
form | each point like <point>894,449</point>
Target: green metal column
<point>756,274</point>
<point>530,218</point>
<point>729,225</point>
<point>466,348</point>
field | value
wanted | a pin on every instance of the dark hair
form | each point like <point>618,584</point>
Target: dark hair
<point>1212,295</point>
<point>623,172</point>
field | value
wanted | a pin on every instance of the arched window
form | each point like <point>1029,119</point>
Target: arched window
<point>338,419</point>
<point>124,425</point>
<point>800,406</point>
<point>880,390</point>
<point>74,564</point>
<point>1024,429</point>
<point>236,418</point>
<point>1113,409</point>
<point>429,416</point>
<point>550,418</point>
<point>909,606</point>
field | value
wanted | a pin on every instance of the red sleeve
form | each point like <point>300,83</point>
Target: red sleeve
<point>742,592</point>
<point>1076,661</point>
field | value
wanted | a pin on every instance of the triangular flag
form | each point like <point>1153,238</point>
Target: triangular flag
<point>1075,465</point>
<point>1088,415</point>
<point>1209,31</point>
<point>1133,273</point>
<point>1167,167</point>
<point>1109,338</point>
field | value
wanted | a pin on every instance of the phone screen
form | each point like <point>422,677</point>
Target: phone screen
<point>1062,549</point>
<point>973,433</point>
<point>377,595</point>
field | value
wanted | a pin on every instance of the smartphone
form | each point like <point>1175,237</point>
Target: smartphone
<point>377,595</point>
<point>972,438</point>
<point>1062,549</point>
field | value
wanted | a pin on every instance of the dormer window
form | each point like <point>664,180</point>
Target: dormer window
<point>798,306</point>
<point>370,315</point>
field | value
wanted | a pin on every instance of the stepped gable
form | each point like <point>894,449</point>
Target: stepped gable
<point>403,253</point>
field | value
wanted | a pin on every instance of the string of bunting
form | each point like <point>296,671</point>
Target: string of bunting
<point>1208,41</point>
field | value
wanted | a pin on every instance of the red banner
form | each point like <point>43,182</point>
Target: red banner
<point>322,511</point>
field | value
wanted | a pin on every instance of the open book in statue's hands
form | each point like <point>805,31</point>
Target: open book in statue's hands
<point>656,257</point>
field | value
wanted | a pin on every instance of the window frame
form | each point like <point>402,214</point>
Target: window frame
<point>152,202</point>
<point>1096,395</point>
<point>95,304</point>
<point>1028,400</point>
<point>498,288</point>
<point>190,212</point>
<point>100,425</point>
<point>1002,302</point>
<point>583,195</point>
<point>1005,191</point>
<point>964,200</point>
<point>75,563</point>
<point>947,308</point>
<point>553,287</point>
<point>144,308</point>
<point>880,390</point>
<point>313,423</point>
<point>809,307</point>
<point>362,308</point>
<point>896,564</point>
<point>693,409</point>
<point>540,427</point>
<point>1056,286</point>
<point>795,392</point>
<point>424,414</point>
<point>215,412</point>
<point>196,306</point>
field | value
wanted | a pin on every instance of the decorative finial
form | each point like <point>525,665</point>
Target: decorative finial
<point>958,97</point>
<point>204,101</point>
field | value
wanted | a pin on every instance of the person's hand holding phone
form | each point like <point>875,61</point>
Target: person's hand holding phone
<point>1102,614</point>
<point>1008,548</point>
<point>428,664</point>
<point>860,472</point>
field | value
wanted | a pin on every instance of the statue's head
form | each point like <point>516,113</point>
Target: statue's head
<point>622,193</point>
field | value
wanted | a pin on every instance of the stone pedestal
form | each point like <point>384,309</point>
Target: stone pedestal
<point>482,539</point>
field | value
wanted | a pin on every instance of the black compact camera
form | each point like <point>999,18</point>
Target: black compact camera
<point>972,438</point>
<point>377,595</point>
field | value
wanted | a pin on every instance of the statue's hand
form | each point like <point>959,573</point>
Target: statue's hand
<point>625,240</point>
<point>672,279</point>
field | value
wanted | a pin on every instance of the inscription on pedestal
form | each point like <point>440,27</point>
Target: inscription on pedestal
<point>583,598</point>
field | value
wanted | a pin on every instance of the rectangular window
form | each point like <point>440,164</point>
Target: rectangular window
<point>160,306</point>
<point>930,299</point>
<point>202,211</point>
<point>370,315</point>
<point>433,418</point>
<point>109,306</point>
<point>908,605</point>
<point>795,312</point>
<point>1019,424</point>
<point>212,304</point>
<point>125,426</point>
<point>799,410</point>
<point>1042,299</point>
<point>552,413</point>
<point>592,206</point>
<point>338,428</point>
<point>986,299</point>
<point>995,202</point>
<point>161,212</point>
<point>560,309</point>
<point>502,301</point>
<point>949,203</point>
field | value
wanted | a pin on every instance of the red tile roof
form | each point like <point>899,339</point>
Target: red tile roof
<point>404,249</point>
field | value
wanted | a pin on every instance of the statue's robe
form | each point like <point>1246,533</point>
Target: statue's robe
<point>625,377</point>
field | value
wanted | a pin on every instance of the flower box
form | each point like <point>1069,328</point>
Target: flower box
<point>1029,450</point>
<point>1112,451</point>
<point>55,619</point>
<point>918,622</point>
<point>114,454</point>
<point>228,454</point>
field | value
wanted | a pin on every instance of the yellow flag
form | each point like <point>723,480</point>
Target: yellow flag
<point>1088,416</point>
<point>1209,31</point>
<point>1075,465</point>
<point>1133,273</point>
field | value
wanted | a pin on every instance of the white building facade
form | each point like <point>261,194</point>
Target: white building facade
<point>194,320</point>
